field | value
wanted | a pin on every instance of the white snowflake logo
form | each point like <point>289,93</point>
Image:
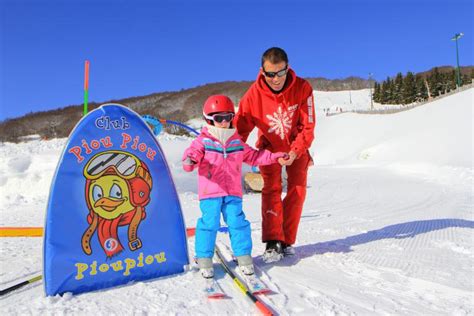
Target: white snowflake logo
<point>280,122</point>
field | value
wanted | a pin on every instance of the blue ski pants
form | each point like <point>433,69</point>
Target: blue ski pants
<point>209,223</point>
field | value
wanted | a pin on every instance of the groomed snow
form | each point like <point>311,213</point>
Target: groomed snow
<point>387,226</point>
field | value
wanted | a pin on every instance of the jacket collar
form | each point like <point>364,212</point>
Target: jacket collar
<point>205,132</point>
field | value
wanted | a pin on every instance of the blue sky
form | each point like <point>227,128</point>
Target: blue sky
<point>141,47</point>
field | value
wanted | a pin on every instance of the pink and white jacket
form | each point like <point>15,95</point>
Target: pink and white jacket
<point>220,165</point>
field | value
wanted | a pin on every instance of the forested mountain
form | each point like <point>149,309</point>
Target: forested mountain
<point>187,103</point>
<point>422,86</point>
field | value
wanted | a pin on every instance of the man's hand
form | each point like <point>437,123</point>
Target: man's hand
<point>288,161</point>
<point>282,159</point>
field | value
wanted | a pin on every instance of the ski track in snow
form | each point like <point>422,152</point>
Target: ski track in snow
<point>380,261</point>
<point>378,235</point>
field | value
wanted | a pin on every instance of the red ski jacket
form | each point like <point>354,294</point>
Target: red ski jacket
<point>285,120</point>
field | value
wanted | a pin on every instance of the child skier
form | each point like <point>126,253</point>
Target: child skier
<point>218,152</point>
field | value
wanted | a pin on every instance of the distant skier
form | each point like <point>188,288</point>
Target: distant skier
<point>218,152</point>
<point>281,106</point>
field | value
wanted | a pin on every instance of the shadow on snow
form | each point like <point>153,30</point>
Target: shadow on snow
<point>397,231</point>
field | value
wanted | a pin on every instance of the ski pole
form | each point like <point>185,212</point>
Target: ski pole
<point>158,124</point>
<point>190,129</point>
<point>262,307</point>
<point>19,285</point>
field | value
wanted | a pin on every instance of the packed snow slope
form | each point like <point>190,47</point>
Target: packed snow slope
<point>346,100</point>
<point>387,226</point>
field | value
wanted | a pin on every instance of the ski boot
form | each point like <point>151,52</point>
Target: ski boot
<point>288,250</point>
<point>205,267</point>
<point>245,264</point>
<point>254,284</point>
<point>273,251</point>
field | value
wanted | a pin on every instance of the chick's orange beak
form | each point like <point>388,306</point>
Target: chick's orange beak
<point>108,204</point>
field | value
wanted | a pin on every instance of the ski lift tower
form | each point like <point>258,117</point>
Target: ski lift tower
<point>458,75</point>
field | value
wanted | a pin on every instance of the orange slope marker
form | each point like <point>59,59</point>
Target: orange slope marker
<point>38,231</point>
<point>21,231</point>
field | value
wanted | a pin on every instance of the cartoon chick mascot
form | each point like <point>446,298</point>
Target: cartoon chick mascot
<point>118,187</point>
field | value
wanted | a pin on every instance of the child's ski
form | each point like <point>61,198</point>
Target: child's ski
<point>212,289</point>
<point>258,303</point>
<point>253,282</point>
<point>255,285</point>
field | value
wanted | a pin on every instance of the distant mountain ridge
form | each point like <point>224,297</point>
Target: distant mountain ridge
<point>178,105</point>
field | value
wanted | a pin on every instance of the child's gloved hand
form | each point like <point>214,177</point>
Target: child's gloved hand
<point>189,161</point>
<point>188,164</point>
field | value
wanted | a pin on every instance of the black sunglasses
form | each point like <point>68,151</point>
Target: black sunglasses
<point>280,73</point>
<point>220,117</point>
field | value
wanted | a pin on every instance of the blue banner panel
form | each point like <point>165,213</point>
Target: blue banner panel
<point>113,212</point>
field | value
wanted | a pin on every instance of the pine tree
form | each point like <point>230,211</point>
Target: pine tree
<point>451,80</point>
<point>398,89</point>
<point>444,83</point>
<point>421,90</point>
<point>376,95</point>
<point>383,93</point>
<point>435,83</point>
<point>383,85</point>
<point>388,90</point>
<point>409,89</point>
<point>465,79</point>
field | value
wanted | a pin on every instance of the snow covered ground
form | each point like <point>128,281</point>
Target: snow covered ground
<point>387,227</point>
<point>346,100</point>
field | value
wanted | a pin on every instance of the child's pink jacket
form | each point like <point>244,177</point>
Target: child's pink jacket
<point>220,166</point>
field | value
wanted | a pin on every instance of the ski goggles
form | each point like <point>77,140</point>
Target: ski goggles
<point>271,74</point>
<point>220,117</point>
<point>123,163</point>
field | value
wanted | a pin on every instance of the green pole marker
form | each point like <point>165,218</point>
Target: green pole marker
<point>86,86</point>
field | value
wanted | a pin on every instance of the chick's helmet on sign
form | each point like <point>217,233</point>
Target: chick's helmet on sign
<point>117,190</point>
<point>113,212</point>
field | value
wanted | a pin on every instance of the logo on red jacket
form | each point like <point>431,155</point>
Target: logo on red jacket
<point>280,122</point>
<point>310,109</point>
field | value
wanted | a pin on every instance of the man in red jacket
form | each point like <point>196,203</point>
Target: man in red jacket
<point>281,106</point>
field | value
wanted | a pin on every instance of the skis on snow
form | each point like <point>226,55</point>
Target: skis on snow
<point>254,284</point>
<point>244,289</point>
<point>213,290</point>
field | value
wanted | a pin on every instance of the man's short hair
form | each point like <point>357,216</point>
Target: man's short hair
<point>274,55</point>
